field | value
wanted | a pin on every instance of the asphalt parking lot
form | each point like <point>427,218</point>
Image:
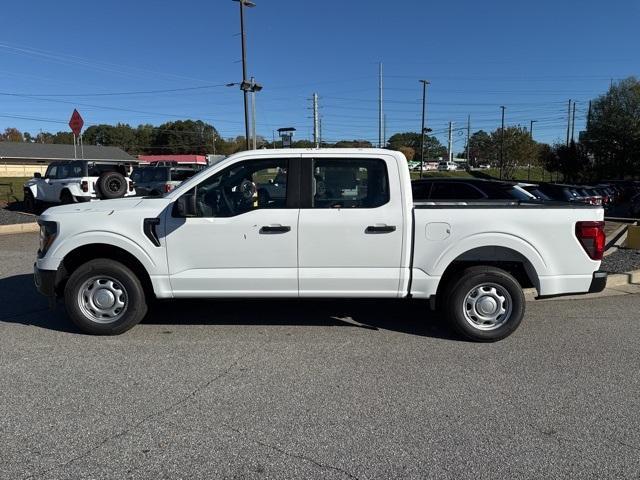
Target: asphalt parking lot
<point>323,389</point>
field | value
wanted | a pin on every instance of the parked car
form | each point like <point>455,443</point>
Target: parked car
<point>447,166</point>
<point>76,181</point>
<point>555,191</point>
<point>459,189</point>
<point>589,195</point>
<point>158,180</point>
<point>347,226</point>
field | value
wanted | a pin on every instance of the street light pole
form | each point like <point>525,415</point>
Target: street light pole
<point>531,137</point>
<point>424,105</point>
<point>243,86</point>
<point>502,143</point>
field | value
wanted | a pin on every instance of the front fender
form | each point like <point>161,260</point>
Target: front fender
<point>31,187</point>
<point>59,250</point>
<point>490,239</point>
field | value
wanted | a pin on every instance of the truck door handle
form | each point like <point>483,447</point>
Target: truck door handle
<point>268,229</point>
<point>380,229</point>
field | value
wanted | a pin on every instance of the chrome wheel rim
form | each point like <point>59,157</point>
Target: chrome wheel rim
<point>102,299</point>
<point>487,306</point>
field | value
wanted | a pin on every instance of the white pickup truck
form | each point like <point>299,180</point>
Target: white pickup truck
<point>341,223</point>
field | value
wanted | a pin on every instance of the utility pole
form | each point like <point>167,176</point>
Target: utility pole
<point>244,86</point>
<point>213,140</point>
<point>589,116</point>
<point>384,131</point>
<point>380,105</point>
<point>568,122</point>
<point>316,134</point>
<point>531,137</point>
<point>502,143</point>
<point>253,113</point>
<point>573,122</point>
<point>450,141</point>
<point>468,141</point>
<point>320,130</point>
<point>423,132</point>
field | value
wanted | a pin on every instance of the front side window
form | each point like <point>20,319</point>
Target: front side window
<point>241,188</point>
<point>52,171</point>
<point>351,183</point>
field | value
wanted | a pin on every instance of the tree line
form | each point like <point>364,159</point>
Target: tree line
<point>608,148</point>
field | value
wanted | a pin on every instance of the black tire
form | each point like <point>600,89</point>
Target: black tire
<point>123,280</point>
<point>498,291</point>
<point>111,185</point>
<point>29,202</point>
<point>66,197</point>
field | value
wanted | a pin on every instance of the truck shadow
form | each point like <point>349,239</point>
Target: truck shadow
<point>405,316</point>
<point>20,303</point>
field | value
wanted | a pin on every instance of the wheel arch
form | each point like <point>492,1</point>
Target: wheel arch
<point>84,253</point>
<point>513,262</point>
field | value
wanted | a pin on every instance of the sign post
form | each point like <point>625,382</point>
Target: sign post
<point>76,123</point>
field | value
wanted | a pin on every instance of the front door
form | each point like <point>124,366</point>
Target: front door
<point>351,234</point>
<point>242,239</point>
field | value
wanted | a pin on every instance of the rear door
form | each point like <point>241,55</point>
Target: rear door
<point>350,227</point>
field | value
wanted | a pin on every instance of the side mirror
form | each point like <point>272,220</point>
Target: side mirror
<point>37,175</point>
<point>186,206</point>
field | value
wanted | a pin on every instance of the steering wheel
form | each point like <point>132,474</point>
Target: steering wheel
<point>245,194</point>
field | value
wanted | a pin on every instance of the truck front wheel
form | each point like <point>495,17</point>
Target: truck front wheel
<point>103,297</point>
<point>485,304</point>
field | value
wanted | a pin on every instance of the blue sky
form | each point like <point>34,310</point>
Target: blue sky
<point>529,56</point>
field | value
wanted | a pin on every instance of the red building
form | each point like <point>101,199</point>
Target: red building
<point>190,159</point>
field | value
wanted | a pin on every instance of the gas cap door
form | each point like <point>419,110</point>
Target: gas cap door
<point>438,231</point>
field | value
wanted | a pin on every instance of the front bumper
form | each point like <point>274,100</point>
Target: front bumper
<point>45,281</point>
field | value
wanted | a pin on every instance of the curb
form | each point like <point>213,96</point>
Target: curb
<point>19,228</point>
<point>616,239</point>
<point>626,278</point>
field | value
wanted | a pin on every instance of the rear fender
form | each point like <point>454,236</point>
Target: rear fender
<point>484,240</point>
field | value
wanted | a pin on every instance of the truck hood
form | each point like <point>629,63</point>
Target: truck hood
<point>113,206</point>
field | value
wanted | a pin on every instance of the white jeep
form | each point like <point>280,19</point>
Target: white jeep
<point>76,181</point>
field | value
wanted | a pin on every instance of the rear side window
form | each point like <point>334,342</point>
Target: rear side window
<point>95,170</point>
<point>454,191</point>
<point>351,183</point>
<point>70,171</point>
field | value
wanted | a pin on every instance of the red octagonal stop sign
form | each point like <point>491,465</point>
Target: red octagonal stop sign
<point>76,122</point>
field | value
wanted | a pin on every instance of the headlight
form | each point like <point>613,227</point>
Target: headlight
<point>48,231</point>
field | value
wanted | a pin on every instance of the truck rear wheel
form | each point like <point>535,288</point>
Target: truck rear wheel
<point>103,297</point>
<point>485,304</point>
